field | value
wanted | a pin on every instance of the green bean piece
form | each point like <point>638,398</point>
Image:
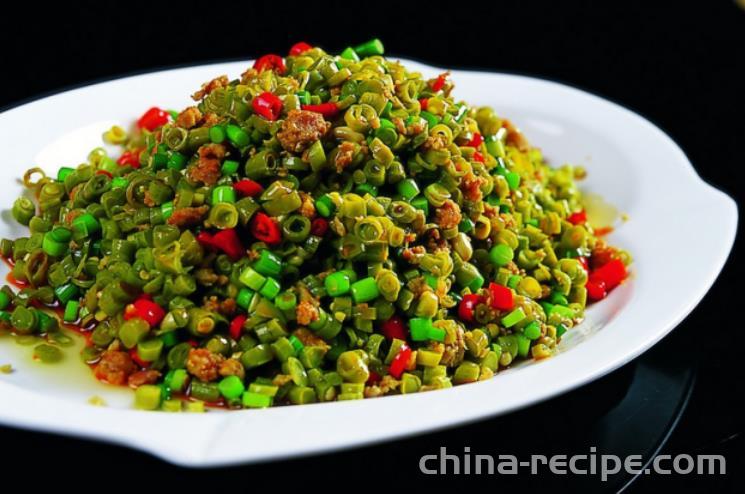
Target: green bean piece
<point>133,331</point>
<point>47,354</point>
<point>24,320</point>
<point>23,210</point>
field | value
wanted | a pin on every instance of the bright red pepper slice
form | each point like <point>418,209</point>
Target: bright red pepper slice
<point>104,172</point>
<point>319,227</point>
<point>145,309</point>
<point>153,118</point>
<point>248,187</point>
<point>142,363</point>
<point>596,290</point>
<point>467,306</point>
<point>328,110</point>
<point>611,274</point>
<point>224,240</point>
<point>265,229</point>
<point>270,62</point>
<point>501,297</point>
<point>236,326</point>
<point>299,48</point>
<point>205,238</point>
<point>578,218</point>
<point>394,328</point>
<point>477,156</point>
<point>424,103</point>
<point>398,365</point>
<point>227,241</point>
<point>267,105</point>
<point>476,140</point>
<point>131,158</point>
<point>601,256</point>
<point>439,82</point>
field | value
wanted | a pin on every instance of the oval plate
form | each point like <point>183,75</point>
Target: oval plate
<point>631,163</point>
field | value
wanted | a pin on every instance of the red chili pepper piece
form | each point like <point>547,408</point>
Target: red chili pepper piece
<point>439,82</point>
<point>265,229</point>
<point>142,363</point>
<point>270,62</point>
<point>501,297</point>
<point>236,326</point>
<point>328,110</point>
<point>467,306</point>
<point>104,172</point>
<point>145,309</point>
<point>394,328</point>
<point>596,290</point>
<point>374,378</point>
<point>248,187</point>
<point>424,103</point>
<point>205,238</point>
<point>224,240</point>
<point>228,242</point>
<point>398,365</point>
<point>318,227</point>
<point>611,274</point>
<point>601,256</point>
<point>477,156</point>
<point>578,218</point>
<point>299,48</point>
<point>267,105</point>
<point>153,118</point>
<point>476,140</point>
<point>131,158</point>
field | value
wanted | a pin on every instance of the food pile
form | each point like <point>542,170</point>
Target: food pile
<point>325,227</point>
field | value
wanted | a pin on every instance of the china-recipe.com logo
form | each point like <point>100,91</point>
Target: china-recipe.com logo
<point>592,463</point>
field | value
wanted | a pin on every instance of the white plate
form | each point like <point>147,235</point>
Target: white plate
<point>680,233</point>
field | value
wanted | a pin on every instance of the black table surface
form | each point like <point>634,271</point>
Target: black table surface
<point>678,64</point>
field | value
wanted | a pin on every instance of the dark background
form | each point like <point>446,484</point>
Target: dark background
<point>680,64</point>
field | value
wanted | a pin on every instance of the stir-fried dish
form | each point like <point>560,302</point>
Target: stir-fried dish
<point>324,227</point>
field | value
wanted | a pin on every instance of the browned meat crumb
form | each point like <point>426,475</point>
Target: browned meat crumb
<point>204,364</point>
<point>210,86</point>
<point>413,254</point>
<point>139,378</point>
<point>114,367</point>
<point>386,385</point>
<point>307,208</point>
<point>300,129</point>
<point>189,118</point>
<point>306,313</point>
<point>344,156</point>
<point>515,137</point>
<point>448,215</point>
<point>471,186</point>
<point>207,169</point>
<point>188,216</point>
<point>211,119</point>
